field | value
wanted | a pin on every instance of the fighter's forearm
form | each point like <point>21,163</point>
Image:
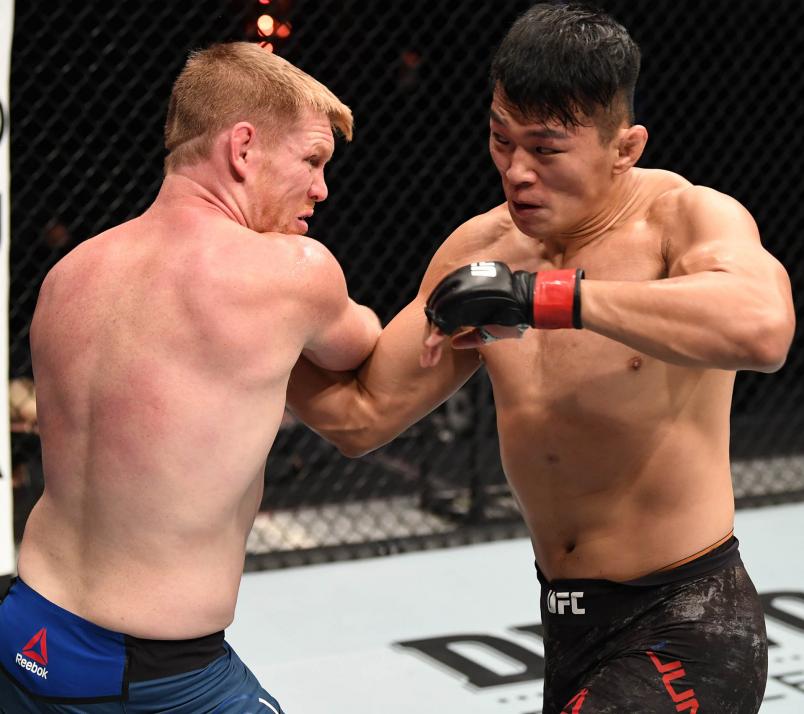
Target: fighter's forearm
<point>361,411</point>
<point>712,319</point>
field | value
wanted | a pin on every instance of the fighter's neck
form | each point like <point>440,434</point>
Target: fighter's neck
<point>188,190</point>
<point>618,206</point>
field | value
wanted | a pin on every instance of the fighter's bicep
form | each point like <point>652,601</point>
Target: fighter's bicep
<point>335,330</point>
<point>344,341</point>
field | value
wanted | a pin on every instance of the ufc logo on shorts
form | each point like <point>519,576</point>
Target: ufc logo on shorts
<point>483,270</point>
<point>557,603</point>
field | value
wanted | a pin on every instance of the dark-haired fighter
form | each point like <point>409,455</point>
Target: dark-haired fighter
<point>614,437</point>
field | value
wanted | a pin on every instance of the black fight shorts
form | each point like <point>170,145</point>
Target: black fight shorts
<point>685,640</point>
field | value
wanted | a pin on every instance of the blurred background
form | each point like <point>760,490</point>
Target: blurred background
<point>720,93</point>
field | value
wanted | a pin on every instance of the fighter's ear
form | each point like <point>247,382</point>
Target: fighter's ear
<point>630,143</point>
<point>241,147</point>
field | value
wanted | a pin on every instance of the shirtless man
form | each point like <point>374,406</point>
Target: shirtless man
<point>615,437</point>
<point>162,350</point>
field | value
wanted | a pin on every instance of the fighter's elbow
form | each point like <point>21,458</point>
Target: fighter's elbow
<point>357,444</point>
<point>768,343</point>
<point>370,422</point>
<point>359,433</point>
<point>352,450</point>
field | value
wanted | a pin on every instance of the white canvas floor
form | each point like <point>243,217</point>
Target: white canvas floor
<point>324,639</point>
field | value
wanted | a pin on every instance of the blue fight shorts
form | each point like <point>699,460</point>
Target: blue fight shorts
<point>54,661</point>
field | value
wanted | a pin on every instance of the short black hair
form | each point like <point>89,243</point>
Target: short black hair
<point>559,61</point>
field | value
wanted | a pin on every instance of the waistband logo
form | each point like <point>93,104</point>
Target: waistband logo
<point>557,602</point>
<point>40,638</point>
<point>34,654</point>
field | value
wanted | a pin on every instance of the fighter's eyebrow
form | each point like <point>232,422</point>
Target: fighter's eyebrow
<point>546,133</point>
<point>496,117</point>
<point>322,148</point>
<point>543,133</point>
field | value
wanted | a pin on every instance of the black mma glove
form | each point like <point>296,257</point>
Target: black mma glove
<point>489,293</point>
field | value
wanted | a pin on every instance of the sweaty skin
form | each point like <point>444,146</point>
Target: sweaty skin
<point>162,349</point>
<point>614,439</point>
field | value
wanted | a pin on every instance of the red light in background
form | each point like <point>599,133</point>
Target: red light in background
<point>283,30</point>
<point>411,59</point>
<point>265,25</point>
<point>265,2</point>
<point>267,46</point>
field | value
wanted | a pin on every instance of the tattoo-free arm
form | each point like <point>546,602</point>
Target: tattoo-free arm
<point>342,333</point>
<point>360,411</point>
<point>726,303</point>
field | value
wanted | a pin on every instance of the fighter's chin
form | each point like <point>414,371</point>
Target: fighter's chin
<point>297,227</point>
<point>288,229</point>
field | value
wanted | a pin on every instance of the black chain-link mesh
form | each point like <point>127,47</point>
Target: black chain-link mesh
<point>720,92</point>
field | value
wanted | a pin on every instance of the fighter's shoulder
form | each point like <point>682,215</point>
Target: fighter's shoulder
<point>483,230</point>
<point>81,263</point>
<point>300,264</point>
<point>476,236</point>
<point>674,199</point>
<point>246,250</point>
<point>299,253</point>
<point>688,215</point>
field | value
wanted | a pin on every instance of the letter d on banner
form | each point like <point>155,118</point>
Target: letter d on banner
<point>6,516</point>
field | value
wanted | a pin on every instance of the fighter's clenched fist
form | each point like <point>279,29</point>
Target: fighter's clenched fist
<point>488,293</point>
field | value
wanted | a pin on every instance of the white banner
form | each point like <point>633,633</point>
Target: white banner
<point>6,516</point>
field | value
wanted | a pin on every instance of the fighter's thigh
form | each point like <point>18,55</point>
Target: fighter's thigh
<point>13,701</point>
<point>245,693</point>
<point>626,684</point>
<point>660,682</point>
<point>257,702</point>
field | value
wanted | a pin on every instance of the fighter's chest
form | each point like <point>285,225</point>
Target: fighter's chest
<point>631,252</point>
<point>579,366</point>
<point>551,363</point>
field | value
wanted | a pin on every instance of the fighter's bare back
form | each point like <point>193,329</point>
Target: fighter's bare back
<point>162,350</point>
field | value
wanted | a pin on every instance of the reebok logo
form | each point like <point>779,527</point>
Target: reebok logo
<point>40,639</point>
<point>558,602</point>
<point>32,667</point>
<point>34,654</point>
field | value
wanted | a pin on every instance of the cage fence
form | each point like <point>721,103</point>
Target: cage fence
<point>89,89</point>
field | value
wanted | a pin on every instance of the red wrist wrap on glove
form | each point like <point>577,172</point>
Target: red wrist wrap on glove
<point>557,299</point>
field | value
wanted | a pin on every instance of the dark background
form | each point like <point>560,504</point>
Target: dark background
<point>720,92</point>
